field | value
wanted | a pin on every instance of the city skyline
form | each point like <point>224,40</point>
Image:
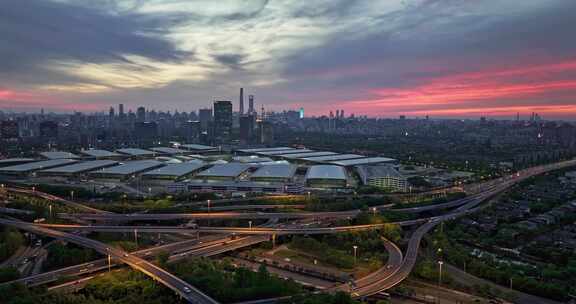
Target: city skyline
<point>445,59</point>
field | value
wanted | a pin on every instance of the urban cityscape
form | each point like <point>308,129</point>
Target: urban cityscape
<point>337,152</point>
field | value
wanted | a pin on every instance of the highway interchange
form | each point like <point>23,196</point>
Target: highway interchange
<point>397,269</point>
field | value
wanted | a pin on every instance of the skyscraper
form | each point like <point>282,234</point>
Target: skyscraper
<point>301,112</point>
<point>121,114</point>
<point>205,117</point>
<point>9,129</point>
<point>141,114</point>
<point>48,129</point>
<point>251,104</point>
<point>246,128</point>
<point>241,109</point>
<point>265,132</point>
<point>222,120</point>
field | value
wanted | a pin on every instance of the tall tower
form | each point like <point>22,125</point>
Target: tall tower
<point>141,114</point>
<point>241,109</point>
<point>250,104</point>
<point>263,114</point>
<point>222,120</point>
<point>121,111</point>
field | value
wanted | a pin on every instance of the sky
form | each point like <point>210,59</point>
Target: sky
<point>381,58</point>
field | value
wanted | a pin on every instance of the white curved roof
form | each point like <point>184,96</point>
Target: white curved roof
<point>326,172</point>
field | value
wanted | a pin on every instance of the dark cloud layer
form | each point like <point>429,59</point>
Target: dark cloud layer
<point>35,32</point>
<point>320,54</point>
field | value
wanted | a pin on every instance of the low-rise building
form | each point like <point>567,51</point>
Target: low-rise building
<point>383,177</point>
<point>326,176</point>
<point>274,173</point>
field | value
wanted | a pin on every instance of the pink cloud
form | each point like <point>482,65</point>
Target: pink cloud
<point>27,101</point>
<point>478,93</point>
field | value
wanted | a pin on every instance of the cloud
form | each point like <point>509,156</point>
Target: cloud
<point>38,35</point>
<point>323,54</point>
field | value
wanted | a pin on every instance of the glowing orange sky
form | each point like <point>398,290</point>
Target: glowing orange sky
<point>489,92</point>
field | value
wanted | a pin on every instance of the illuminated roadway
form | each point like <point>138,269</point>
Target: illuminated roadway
<point>414,243</point>
<point>384,278</point>
<point>54,198</point>
<point>182,288</point>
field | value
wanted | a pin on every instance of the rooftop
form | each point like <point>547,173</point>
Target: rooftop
<point>275,171</point>
<point>197,147</point>
<point>16,160</point>
<point>175,170</point>
<point>82,167</point>
<point>58,155</point>
<point>363,161</point>
<point>257,150</point>
<point>99,153</point>
<point>288,151</point>
<point>378,171</point>
<point>38,165</point>
<point>252,159</point>
<point>131,167</point>
<point>225,170</point>
<point>333,157</point>
<point>135,152</point>
<point>326,172</point>
<point>307,154</point>
<point>167,150</point>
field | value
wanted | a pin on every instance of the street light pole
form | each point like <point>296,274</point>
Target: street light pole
<point>440,263</point>
<point>208,201</point>
<point>109,259</point>
<point>250,224</point>
<point>50,208</point>
<point>355,252</point>
<point>136,236</point>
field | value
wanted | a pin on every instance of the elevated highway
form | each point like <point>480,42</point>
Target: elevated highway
<point>185,290</point>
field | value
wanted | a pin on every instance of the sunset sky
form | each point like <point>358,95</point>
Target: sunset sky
<point>443,58</point>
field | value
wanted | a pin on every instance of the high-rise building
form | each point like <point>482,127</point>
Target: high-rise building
<point>145,130</point>
<point>9,129</point>
<point>205,117</point>
<point>111,113</point>
<point>251,109</point>
<point>265,132</point>
<point>241,109</point>
<point>141,114</point>
<point>48,129</point>
<point>192,130</point>
<point>222,120</point>
<point>246,128</point>
<point>121,113</point>
<point>301,112</point>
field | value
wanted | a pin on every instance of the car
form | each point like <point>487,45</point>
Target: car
<point>187,289</point>
<point>125,255</point>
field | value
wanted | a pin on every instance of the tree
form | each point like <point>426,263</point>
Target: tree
<point>8,274</point>
<point>162,258</point>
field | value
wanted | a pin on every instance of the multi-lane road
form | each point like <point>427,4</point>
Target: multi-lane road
<point>397,269</point>
<point>185,290</point>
